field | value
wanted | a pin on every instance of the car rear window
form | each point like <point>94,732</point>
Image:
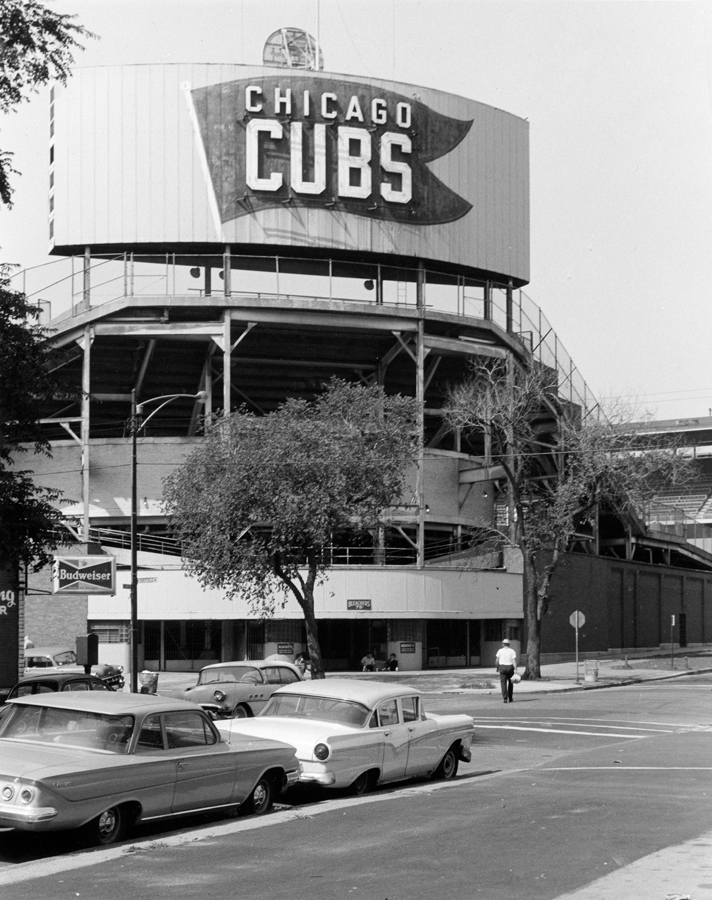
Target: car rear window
<point>67,727</point>
<point>248,674</point>
<point>187,729</point>
<point>328,709</point>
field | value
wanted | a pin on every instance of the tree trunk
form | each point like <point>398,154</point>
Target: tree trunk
<point>531,618</point>
<point>315,660</point>
<point>305,599</point>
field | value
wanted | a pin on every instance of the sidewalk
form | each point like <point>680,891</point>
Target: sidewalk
<point>555,676</point>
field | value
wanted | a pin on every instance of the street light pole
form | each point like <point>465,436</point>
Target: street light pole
<point>134,553</point>
<point>136,412</point>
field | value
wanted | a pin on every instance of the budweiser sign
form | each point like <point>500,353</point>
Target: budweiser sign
<point>84,575</point>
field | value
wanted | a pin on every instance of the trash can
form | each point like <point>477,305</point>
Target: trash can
<point>590,670</point>
<point>149,682</point>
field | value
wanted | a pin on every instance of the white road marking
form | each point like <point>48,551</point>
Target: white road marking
<point>628,768</point>
<point>503,727</point>
<point>599,723</point>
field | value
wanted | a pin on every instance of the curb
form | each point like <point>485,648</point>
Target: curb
<point>622,682</point>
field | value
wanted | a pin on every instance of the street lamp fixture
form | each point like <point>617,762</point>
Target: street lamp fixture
<point>136,425</point>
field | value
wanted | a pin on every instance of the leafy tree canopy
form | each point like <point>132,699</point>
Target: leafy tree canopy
<point>29,518</point>
<point>26,377</point>
<point>36,46</point>
<point>257,505</point>
<point>561,472</point>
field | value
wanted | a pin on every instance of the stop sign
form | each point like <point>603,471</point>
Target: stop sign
<point>577,618</point>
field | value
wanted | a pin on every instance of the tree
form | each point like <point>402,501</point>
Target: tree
<point>561,472</point>
<point>36,46</point>
<point>258,505</point>
<point>29,518</point>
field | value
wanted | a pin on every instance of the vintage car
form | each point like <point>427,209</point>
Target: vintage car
<point>60,660</point>
<point>355,734</point>
<point>101,761</point>
<point>51,684</point>
<point>240,689</point>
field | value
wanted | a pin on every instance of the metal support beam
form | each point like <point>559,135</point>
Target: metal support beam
<point>227,361</point>
<point>86,401</point>
<point>420,401</point>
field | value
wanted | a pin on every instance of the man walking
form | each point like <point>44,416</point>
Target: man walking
<point>506,660</point>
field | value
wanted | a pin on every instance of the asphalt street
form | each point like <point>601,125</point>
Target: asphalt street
<point>583,795</point>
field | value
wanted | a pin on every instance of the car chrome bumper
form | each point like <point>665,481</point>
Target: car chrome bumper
<point>217,712</point>
<point>14,816</point>
<point>325,779</point>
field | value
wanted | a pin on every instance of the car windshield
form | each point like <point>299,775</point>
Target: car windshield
<point>328,709</point>
<point>248,674</point>
<point>65,658</point>
<point>67,727</point>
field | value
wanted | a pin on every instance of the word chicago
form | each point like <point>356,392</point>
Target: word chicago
<point>371,147</point>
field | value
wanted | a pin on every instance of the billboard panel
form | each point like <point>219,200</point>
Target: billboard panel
<point>276,157</point>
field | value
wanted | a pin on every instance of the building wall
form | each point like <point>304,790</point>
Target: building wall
<point>110,478</point>
<point>53,620</point>
<point>393,593</point>
<point>628,605</point>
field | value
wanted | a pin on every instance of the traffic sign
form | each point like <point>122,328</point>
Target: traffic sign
<point>577,618</point>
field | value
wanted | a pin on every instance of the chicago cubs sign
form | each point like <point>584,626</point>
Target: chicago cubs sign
<point>262,158</point>
<point>84,575</point>
<point>362,148</point>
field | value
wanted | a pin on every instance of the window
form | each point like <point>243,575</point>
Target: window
<point>39,662</point>
<point>388,713</point>
<point>285,631</point>
<point>494,630</point>
<point>411,709</point>
<point>286,676</point>
<point>111,632</point>
<point>151,736</point>
<point>187,729</point>
<point>76,686</point>
<point>272,675</point>
<point>99,686</point>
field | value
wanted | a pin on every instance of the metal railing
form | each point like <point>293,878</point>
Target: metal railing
<point>334,555</point>
<point>68,285</point>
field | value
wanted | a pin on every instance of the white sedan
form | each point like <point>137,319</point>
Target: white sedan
<point>356,734</point>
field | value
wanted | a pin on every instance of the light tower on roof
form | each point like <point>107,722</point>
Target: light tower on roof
<point>292,48</point>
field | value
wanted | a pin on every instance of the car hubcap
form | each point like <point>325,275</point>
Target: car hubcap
<point>260,796</point>
<point>107,824</point>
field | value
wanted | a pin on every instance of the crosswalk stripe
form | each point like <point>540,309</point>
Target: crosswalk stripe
<point>561,731</point>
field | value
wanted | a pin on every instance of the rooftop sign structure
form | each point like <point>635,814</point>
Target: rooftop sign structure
<point>278,159</point>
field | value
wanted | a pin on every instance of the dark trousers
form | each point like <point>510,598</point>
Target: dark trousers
<point>505,678</point>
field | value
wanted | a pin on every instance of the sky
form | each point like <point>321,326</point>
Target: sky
<point>617,94</point>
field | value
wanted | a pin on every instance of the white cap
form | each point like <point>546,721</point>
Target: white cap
<point>505,640</point>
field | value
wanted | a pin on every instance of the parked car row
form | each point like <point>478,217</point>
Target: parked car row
<point>61,661</point>
<point>101,761</point>
<point>91,759</point>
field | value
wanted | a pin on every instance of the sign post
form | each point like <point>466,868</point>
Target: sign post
<point>577,619</point>
<point>672,645</point>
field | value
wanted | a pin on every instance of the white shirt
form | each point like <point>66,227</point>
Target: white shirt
<point>506,657</point>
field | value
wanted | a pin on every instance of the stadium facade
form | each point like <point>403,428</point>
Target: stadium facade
<point>250,233</point>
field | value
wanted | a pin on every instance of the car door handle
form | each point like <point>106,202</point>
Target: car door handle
<point>386,733</point>
<point>181,766</point>
<point>410,728</point>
